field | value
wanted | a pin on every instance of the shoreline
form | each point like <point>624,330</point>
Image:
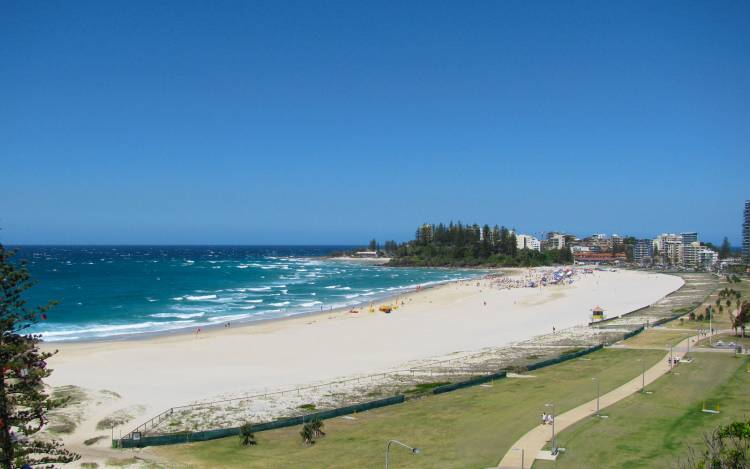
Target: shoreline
<point>248,322</point>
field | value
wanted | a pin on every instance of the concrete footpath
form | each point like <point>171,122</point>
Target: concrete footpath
<point>534,441</point>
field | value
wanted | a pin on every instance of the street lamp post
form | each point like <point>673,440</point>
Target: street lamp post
<point>554,442</point>
<point>597,395</point>
<point>643,375</point>
<point>522,456</point>
<point>671,360</point>
<point>388,449</point>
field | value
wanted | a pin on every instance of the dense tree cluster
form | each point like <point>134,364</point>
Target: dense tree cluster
<point>458,244</point>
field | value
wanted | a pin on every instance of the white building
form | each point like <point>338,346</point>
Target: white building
<point>527,242</point>
<point>708,257</point>
<point>556,240</point>
<point>669,246</point>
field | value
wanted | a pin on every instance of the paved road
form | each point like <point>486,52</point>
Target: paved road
<point>535,440</point>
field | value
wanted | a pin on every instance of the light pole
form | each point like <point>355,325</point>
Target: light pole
<point>554,442</point>
<point>643,375</point>
<point>388,449</point>
<point>597,395</point>
<point>671,360</point>
<point>522,454</point>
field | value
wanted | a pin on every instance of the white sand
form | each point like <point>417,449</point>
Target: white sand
<point>171,370</point>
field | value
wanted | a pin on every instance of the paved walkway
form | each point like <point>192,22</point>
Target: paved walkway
<point>535,440</point>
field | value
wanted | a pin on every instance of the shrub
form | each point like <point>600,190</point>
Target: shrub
<point>307,434</point>
<point>247,437</point>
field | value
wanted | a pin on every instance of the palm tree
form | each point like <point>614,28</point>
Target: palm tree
<point>307,434</point>
<point>247,437</point>
<point>317,427</point>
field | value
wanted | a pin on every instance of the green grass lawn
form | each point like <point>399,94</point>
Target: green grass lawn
<point>726,338</point>
<point>468,428</point>
<point>719,323</point>
<point>654,430</point>
<point>657,338</point>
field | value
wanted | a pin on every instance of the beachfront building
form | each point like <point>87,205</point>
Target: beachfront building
<point>746,234</point>
<point>691,254</point>
<point>729,262</point>
<point>527,242</point>
<point>642,251</point>
<point>616,240</point>
<point>689,237</point>
<point>669,247</point>
<point>556,240</point>
<point>708,258</point>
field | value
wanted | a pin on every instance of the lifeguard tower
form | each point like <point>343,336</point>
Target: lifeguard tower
<point>597,314</point>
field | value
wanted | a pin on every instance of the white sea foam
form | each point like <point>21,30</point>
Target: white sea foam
<point>229,317</point>
<point>253,301</point>
<point>104,330</point>
<point>283,303</point>
<point>311,303</point>
<point>200,297</point>
<point>260,289</point>
<point>177,315</point>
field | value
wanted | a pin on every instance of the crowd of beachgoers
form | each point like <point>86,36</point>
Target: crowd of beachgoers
<point>536,278</point>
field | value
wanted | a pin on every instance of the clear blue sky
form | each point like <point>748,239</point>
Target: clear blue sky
<point>333,122</point>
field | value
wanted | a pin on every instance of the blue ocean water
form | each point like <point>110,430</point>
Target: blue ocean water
<point>115,291</point>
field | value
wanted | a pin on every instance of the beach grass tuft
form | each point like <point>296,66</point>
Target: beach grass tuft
<point>308,407</point>
<point>94,440</point>
<point>422,388</point>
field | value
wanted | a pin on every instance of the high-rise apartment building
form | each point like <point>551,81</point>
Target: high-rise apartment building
<point>642,251</point>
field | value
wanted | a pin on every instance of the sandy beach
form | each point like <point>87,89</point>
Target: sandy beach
<point>153,374</point>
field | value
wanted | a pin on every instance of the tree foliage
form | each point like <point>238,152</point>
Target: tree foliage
<point>726,249</point>
<point>312,430</point>
<point>458,244</point>
<point>727,447</point>
<point>247,436</point>
<point>24,402</point>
